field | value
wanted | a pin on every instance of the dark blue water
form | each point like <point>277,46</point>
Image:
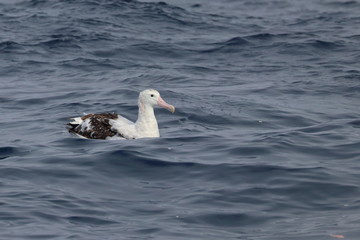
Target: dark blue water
<point>265,143</point>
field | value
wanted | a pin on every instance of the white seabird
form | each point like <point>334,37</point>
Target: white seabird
<point>108,125</point>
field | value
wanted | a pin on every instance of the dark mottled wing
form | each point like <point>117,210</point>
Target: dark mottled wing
<point>100,127</point>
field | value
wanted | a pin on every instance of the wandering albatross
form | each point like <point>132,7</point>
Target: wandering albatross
<point>108,125</point>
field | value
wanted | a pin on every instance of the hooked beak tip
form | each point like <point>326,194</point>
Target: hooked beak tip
<point>172,109</point>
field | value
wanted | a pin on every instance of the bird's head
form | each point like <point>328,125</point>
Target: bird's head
<point>152,97</point>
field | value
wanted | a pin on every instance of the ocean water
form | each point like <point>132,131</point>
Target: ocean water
<point>264,145</point>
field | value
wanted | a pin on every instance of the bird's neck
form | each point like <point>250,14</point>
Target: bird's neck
<point>146,121</point>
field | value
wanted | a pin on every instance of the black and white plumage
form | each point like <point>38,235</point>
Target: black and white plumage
<point>111,125</point>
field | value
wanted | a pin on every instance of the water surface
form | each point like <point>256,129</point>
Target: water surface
<point>264,143</point>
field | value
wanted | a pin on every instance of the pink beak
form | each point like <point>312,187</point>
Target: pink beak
<point>163,104</point>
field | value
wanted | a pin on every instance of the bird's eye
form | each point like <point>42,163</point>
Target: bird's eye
<point>152,95</point>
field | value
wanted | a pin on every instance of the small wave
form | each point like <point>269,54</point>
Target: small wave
<point>61,42</point>
<point>86,64</point>
<point>263,36</point>
<point>355,123</point>
<point>325,44</point>
<point>89,220</point>
<point>32,101</point>
<point>5,152</point>
<point>236,41</point>
<point>137,159</point>
<point>343,3</point>
<point>231,45</point>
<point>168,13</point>
<point>226,220</point>
<point>10,45</point>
